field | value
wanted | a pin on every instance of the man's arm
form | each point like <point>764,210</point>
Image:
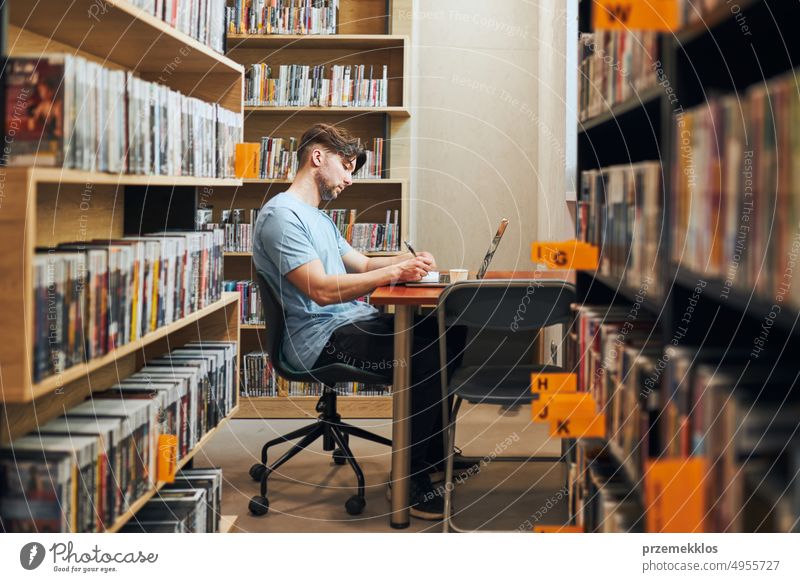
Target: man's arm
<point>325,289</point>
<point>356,262</point>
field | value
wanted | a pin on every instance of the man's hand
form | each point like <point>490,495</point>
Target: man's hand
<point>412,269</point>
<point>429,257</point>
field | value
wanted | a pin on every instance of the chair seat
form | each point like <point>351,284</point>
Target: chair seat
<point>335,373</point>
<point>497,384</point>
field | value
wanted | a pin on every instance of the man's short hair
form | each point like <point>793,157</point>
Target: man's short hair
<point>330,138</point>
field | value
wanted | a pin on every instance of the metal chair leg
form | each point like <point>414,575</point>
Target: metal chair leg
<point>354,505</point>
<point>448,471</point>
<point>363,434</point>
<point>307,440</point>
<point>295,434</point>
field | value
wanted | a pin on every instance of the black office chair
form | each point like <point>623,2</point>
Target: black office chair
<point>513,307</point>
<point>329,426</point>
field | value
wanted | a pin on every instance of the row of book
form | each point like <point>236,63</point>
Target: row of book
<point>619,210</point>
<point>250,311</point>
<point>682,403</point>
<point>277,160</point>
<point>66,111</point>
<point>259,379</point>
<point>736,202</point>
<point>82,471</point>
<point>190,504</point>
<point>367,237</point>
<point>283,16</point>
<point>614,66</point>
<point>92,297</point>
<point>203,20</point>
<point>316,86</point>
<point>238,225</point>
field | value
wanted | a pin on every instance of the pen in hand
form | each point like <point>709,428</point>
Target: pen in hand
<point>410,248</point>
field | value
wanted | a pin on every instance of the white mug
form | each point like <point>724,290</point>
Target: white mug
<point>458,275</point>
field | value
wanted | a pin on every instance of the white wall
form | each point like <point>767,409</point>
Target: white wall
<point>488,135</point>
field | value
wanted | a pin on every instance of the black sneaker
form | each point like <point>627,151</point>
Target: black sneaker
<point>427,501</point>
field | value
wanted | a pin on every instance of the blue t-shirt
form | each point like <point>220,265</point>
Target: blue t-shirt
<point>290,233</point>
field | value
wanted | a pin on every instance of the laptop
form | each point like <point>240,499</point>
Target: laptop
<point>444,278</point>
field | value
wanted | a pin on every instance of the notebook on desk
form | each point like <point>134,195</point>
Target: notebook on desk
<point>436,279</point>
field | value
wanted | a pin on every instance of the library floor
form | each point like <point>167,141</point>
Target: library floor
<point>309,493</point>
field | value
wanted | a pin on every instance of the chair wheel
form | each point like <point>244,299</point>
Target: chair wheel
<point>259,505</point>
<point>355,505</point>
<point>257,471</point>
<point>339,457</point>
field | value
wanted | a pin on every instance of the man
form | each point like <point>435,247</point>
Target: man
<point>319,276</point>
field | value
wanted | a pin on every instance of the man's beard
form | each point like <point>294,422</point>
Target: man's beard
<point>325,191</point>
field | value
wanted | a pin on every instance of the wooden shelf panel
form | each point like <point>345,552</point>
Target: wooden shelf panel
<point>57,381</point>
<point>359,182</point>
<point>303,407</point>
<point>67,176</point>
<point>252,326</point>
<point>367,254</point>
<point>139,503</point>
<point>120,32</point>
<point>366,42</point>
<point>355,111</point>
<point>652,302</point>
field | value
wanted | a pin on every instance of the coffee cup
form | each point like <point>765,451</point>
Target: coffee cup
<point>458,275</point>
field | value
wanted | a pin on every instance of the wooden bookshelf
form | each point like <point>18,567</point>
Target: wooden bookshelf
<point>304,407</point>
<point>45,206</point>
<point>357,42</point>
<point>394,111</point>
<point>139,503</point>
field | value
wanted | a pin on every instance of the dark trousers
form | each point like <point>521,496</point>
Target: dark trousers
<point>370,345</point>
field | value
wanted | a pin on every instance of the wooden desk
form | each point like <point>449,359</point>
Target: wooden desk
<point>406,299</point>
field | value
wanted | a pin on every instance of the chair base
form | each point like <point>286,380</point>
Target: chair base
<point>335,435</point>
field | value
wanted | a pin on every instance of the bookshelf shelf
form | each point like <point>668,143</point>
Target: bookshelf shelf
<point>252,326</point>
<point>614,285</point>
<point>78,177</point>
<point>368,254</point>
<point>304,407</point>
<point>139,503</point>
<point>71,374</point>
<point>720,15</point>
<point>743,301</point>
<point>354,112</point>
<point>356,183</point>
<point>117,32</point>
<point>364,42</point>
<point>611,117</point>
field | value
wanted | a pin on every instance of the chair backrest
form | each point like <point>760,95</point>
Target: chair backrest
<point>507,304</point>
<point>272,310</point>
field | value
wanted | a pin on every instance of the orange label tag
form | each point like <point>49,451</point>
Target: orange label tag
<point>580,403</point>
<point>167,457</point>
<point>659,15</point>
<point>554,383</point>
<point>578,425</point>
<point>557,529</point>
<point>675,495</point>
<point>568,254</point>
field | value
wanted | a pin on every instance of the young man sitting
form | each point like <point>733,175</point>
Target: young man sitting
<point>318,277</point>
